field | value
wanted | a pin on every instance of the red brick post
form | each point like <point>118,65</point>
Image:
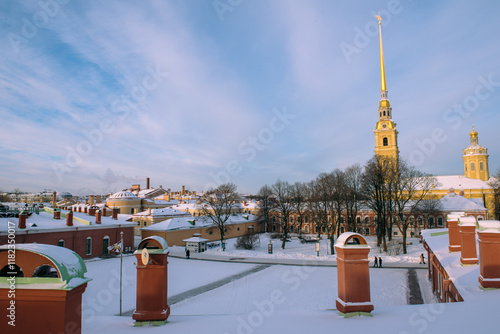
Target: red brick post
<point>467,227</point>
<point>353,275</point>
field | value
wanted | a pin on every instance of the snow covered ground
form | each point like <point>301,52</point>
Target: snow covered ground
<point>278,299</point>
<point>307,251</point>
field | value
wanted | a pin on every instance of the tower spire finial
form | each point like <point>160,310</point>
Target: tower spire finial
<point>383,84</point>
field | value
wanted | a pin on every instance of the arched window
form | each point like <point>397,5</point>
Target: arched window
<point>10,270</point>
<point>472,167</point>
<point>274,228</point>
<point>45,271</point>
<point>466,167</point>
<point>105,244</point>
<point>481,166</point>
<point>60,243</point>
<point>88,246</point>
<point>385,141</point>
<point>384,112</point>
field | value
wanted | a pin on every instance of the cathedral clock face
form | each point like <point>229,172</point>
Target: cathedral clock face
<point>384,125</point>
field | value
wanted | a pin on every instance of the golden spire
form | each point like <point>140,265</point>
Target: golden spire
<point>383,85</point>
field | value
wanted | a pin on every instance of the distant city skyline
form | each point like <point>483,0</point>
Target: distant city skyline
<point>98,96</point>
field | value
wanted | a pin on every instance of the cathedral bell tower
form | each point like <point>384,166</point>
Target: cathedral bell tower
<point>476,159</point>
<point>386,135</point>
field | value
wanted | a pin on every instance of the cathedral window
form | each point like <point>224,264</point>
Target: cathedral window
<point>466,167</point>
<point>384,112</point>
<point>385,141</point>
<point>481,166</point>
<point>472,167</point>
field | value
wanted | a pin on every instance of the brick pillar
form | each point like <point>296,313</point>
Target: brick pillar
<point>22,219</point>
<point>353,275</point>
<point>104,212</point>
<point>453,233</point>
<point>489,249</point>
<point>115,213</point>
<point>467,227</point>
<point>69,218</point>
<point>98,217</point>
<point>92,211</point>
<point>57,213</point>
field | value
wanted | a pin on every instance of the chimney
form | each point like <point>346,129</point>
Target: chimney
<point>104,212</point>
<point>54,199</point>
<point>147,183</point>
<point>98,217</point>
<point>22,219</point>
<point>92,211</point>
<point>98,198</point>
<point>91,200</point>
<point>115,213</point>
<point>69,218</point>
<point>57,213</point>
<point>183,190</point>
<point>85,209</point>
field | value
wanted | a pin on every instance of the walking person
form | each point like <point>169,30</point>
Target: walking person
<point>187,253</point>
<point>380,262</point>
<point>422,259</point>
<point>375,264</point>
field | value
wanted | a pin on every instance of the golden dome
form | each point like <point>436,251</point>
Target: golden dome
<point>384,104</point>
<point>473,133</point>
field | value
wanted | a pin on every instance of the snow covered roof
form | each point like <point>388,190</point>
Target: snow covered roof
<point>165,212</point>
<point>192,222</point>
<point>454,202</point>
<point>460,182</point>
<point>176,224</point>
<point>195,239</point>
<point>123,195</point>
<point>45,222</point>
<point>69,264</point>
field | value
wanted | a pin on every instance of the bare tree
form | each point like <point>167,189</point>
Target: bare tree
<point>376,192</point>
<point>266,204</point>
<point>322,205</point>
<point>218,205</point>
<point>427,208</point>
<point>4,197</point>
<point>411,187</point>
<point>337,185</point>
<point>282,192</point>
<point>351,194</point>
<point>299,199</point>
<point>16,193</point>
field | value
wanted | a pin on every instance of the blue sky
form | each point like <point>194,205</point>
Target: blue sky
<point>96,95</point>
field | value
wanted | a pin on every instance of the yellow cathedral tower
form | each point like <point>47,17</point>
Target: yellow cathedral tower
<point>476,159</point>
<point>386,135</point>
